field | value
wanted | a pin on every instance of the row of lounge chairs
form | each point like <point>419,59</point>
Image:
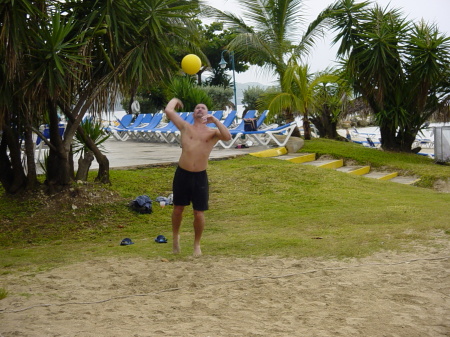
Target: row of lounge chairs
<point>151,128</point>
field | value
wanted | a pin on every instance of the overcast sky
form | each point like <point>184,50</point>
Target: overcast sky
<point>436,11</point>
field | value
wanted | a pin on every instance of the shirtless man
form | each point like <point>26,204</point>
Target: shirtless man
<point>190,183</point>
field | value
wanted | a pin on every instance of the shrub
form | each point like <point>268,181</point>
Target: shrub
<point>185,89</point>
<point>220,96</point>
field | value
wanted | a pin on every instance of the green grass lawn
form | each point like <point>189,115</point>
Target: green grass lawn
<point>259,207</point>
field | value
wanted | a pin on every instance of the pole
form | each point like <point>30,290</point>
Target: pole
<point>234,80</point>
<point>223,64</point>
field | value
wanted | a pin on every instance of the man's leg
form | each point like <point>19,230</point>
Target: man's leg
<point>199,225</point>
<point>177,217</point>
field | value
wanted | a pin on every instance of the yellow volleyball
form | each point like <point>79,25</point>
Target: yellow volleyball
<point>191,64</point>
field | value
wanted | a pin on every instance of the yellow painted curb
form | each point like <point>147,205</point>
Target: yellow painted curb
<point>415,181</point>
<point>279,151</point>
<point>303,158</point>
<point>388,176</point>
<point>361,171</point>
<point>334,164</point>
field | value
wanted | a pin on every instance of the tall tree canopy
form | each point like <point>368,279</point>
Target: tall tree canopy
<point>300,93</point>
<point>401,68</point>
<point>270,34</point>
<point>72,57</point>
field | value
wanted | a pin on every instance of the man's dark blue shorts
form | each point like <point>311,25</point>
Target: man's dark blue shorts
<point>191,187</point>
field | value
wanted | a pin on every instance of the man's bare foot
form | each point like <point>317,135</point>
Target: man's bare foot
<point>197,251</point>
<point>176,245</point>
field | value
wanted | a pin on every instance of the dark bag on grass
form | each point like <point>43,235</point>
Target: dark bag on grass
<point>250,124</point>
<point>142,204</point>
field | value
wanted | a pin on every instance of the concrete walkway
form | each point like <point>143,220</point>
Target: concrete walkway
<point>131,154</point>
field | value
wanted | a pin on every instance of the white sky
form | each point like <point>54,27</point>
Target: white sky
<point>433,11</point>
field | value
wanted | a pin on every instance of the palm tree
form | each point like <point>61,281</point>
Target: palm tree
<point>331,104</point>
<point>269,35</point>
<point>398,67</point>
<point>17,110</point>
<point>299,94</point>
<point>72,57</point>
<point>94,131</point>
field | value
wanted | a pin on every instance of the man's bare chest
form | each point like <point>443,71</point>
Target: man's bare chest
<point>198,136</point>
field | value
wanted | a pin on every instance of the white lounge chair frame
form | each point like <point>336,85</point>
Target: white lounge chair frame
<point>263,137</point>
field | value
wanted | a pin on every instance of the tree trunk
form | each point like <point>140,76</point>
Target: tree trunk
<point>321,128</point>
<point>59,171</point>
<point>388,139</point>
<point>71,162</point>
<point>333,131</point>
<point>396,141</point>
<point>59,174</point>
<point>102,160</point>
<point>407,140</point>
<point>329,123</point>
<point>199,75</point>
<point>306,126</point>
<point>103,169</point>
<point>324,123</point>
<point>289,117</point>
<point>32,181</point>
<point>12,174</point>
<point>84,163</point>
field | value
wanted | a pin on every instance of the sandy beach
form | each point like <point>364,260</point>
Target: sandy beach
<point>388,294</point>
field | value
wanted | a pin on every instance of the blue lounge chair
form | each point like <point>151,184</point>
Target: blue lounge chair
<point>123,122</point>
<point>264,137</point>
<point>240,127</point>
<point>228,121</point>
<point>218,114</point>
<point>259,123</point>
<point>159,134</point>
<point>39,144</point>
<point>237,130</point>
<point>121,133</point>
<point>261,119</point>
<point>138,133</point>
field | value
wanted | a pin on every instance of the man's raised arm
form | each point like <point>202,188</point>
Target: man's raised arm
<point>172,114</point>
<point>222,132</point>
